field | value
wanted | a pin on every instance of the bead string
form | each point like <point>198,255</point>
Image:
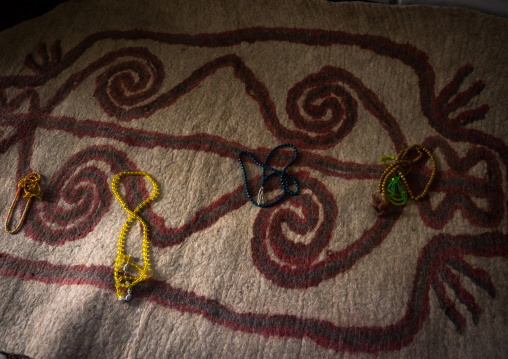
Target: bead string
<point>124,282</point>
<point>398,192</point>
<point>390,186</point>
<point>32,190</point>
<point>283,176</point>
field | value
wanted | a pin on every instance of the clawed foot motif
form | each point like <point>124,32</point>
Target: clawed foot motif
<point>446,276</point>
<point>46,58</point>
<point>451,100</point>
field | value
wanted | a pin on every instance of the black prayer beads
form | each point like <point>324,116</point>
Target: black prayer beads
<point>283,176</point>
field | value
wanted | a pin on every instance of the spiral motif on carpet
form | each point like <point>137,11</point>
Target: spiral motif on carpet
<point>124,87</point>
<point>324,110</point>
<point>310,215</point>
<point>77,196</point>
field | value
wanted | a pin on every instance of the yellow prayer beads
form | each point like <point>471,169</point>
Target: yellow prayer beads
<point>124,282</point>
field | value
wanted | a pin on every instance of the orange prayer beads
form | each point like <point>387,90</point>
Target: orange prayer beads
<point>32,189</point>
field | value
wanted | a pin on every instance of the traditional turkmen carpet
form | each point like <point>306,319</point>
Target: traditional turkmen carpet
<point>178,90</point>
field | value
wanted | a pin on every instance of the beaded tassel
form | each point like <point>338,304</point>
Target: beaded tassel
<point>393,185</point>
<point>125,282</point>
<point>32,190</point>
<point>397,192</point>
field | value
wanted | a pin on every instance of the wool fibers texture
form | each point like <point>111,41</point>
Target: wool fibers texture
<point>178,90</point>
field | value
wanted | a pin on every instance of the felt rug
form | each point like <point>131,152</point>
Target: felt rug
<point>178,90</point>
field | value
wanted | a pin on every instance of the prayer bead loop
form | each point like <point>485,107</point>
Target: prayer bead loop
<point>30,184</point>
<point>125,282</point>
<point>283,177</point>
<point>393,186</point>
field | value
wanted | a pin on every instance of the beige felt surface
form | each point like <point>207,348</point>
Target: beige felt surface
<point>175,89</point>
